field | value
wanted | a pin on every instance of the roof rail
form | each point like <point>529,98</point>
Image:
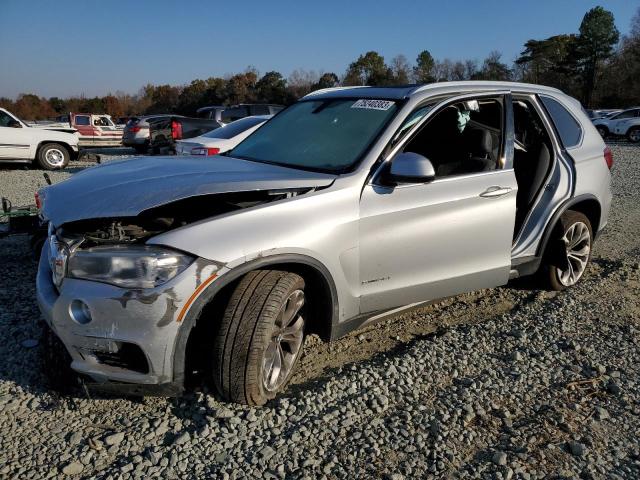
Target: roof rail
<point>333,89</point>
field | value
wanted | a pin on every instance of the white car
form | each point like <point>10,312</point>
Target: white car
<point>221,139</point>
<point>51,149</point>
<point>608,125</point>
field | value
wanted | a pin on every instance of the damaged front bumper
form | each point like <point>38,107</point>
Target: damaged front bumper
<point>121,339</point>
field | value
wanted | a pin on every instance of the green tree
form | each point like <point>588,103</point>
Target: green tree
<point>241,88</point>
<point>368,69</point>
<point>598,36</point>
<point>494,69</point>
<point>272,88</point>
<point>423,72</point>
<point>327,80</point>
<point>550,62</point>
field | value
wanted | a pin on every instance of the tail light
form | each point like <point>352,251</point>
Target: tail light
<point>205,151</point>
<point>38,202</point>
<point>608,157</point>
<point>176,130</point>
<point>135,129</point>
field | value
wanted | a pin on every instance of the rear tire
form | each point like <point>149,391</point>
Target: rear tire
<point>633,135</point>
<point>53,156</point>
<point>568,256</point>
<point>260,338</point>
<point>141,149</point>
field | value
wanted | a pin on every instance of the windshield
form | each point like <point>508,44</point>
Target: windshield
<point>235,128</point>
<point>324,135</point>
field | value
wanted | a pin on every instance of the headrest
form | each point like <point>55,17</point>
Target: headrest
<point>480,142</point>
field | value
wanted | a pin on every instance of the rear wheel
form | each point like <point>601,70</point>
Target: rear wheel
<point>633,135</point>
<point>569,255</point>
<point>141,149</point>
<point>261,337</point>
<point>53,156</point>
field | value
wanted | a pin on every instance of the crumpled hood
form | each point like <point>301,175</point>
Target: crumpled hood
<point>128,187</point>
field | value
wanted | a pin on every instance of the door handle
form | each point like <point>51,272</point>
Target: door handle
<point>496,191</point>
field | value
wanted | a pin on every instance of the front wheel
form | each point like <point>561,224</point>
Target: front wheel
<point>53,156</point>
<point>570,254</point>
<point>261,337</point>
<point>633,135</point>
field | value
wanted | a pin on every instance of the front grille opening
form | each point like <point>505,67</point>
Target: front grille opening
<point>128,356</point>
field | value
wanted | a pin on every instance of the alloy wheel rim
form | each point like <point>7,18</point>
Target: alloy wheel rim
<point>577,241</point>
<point>635,135</point>
<point>54,157</point>
<point>285,343</point>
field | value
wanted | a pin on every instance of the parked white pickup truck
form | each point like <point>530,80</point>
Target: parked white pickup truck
<point>51,149</point>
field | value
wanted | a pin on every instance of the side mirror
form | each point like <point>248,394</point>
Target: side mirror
<point>14,124</point>
<point>409,167</point>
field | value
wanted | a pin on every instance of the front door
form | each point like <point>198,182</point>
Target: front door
<point>15,141</point>
<point>424,241</point>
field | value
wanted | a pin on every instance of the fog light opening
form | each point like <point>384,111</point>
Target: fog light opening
<point>80,312</point>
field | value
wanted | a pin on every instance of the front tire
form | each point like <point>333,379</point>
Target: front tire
<point>261,337</point>
<point>633,135</point>
<point>53,156</point>
<point>569,255</point>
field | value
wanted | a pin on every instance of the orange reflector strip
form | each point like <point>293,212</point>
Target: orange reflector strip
<point>193,297</point>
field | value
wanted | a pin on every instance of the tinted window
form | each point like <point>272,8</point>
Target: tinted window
<point>323,135</point>
<point>234,128</point>
<point>626,114</point>
<point>82,120</point>
<point>568,127</point>
<point>232,114</point>
<point>259,110</point>
<point>4,119</point>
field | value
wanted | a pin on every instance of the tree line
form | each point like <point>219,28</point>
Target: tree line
<point>595,65</point>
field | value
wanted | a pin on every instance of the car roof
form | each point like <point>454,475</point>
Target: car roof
<point>407,91</point>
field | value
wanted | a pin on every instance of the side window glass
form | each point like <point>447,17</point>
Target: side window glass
<point>568,127</point>
<point>82,120</point>
<point>462,138</point>
<point>260,110</point>
<point>4,119</point>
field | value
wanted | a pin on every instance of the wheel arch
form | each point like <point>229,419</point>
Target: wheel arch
<point>67,147</point>
<point>324,308</point>
<point>586,204</point>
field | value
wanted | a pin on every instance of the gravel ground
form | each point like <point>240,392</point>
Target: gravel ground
<point>512,382</point>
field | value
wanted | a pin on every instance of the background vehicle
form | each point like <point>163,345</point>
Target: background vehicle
<point>629,128</point>
<point>136,132</point>
<point>51,149</point>
<point>348,207</point>
<point>164,131</point>
<point>96,130</point>
<point>603,113</point>
<point>235,112</point>
<point>607,126</point>
<point>221,139</point>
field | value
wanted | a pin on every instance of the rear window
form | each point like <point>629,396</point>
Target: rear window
<point>234,128</point>
<point>567,126</point>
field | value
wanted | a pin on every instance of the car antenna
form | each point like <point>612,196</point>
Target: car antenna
<point>47,178</point>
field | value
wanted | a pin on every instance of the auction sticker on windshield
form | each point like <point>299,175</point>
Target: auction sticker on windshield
<point>373,104</point>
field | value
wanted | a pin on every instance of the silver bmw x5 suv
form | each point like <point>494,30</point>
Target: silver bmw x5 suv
<point>345,208</point>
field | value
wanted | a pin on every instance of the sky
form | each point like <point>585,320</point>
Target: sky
<point>63,47</point>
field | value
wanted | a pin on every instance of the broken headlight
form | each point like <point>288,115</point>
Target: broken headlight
<point>132,266</point>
